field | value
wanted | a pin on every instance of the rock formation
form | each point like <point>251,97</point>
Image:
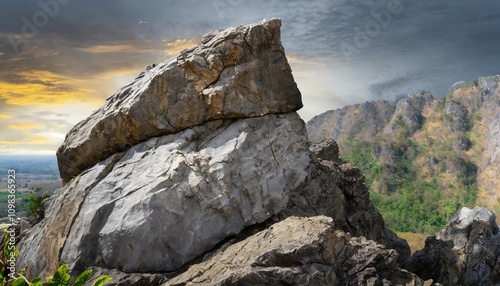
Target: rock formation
<point>410,110</point>
<point>337,189</point>
<point>193,158</point>
<point>171,198</point>
<point>465,252</point>
<point>300,251</point>
<point>231,149</point>
<point>236,73</point>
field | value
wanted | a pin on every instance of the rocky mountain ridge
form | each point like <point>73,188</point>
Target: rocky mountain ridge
<point>223,189</point>
<point>448,145</point>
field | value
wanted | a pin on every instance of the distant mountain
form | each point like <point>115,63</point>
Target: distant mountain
<point>423,157</point>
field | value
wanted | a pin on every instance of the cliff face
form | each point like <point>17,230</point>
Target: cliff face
<point>194,157</point>
<point>447,145</point>
<point>360,121</point>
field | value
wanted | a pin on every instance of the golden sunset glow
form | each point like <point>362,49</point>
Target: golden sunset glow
<point>294,59</point>
<point>109,49</point>
<point>39,140</point>
<point>24,125</point>
<point>9,143</point>
<point>43,88</point>
<point>41,106</point>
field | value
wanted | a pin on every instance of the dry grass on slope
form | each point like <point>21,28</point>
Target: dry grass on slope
<point>415,240</point>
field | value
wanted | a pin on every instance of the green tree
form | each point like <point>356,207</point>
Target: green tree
<point>36,207</point>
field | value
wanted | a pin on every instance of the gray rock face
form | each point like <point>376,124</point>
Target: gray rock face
<point>299,251</point>
<point>359,122</point>
<point>488,85</point>
<point>413,106</point>
<point>465,252</point>
<point>458,116</point>
<point>337,189</point>
<point>171,198</point>
<point>490,90</point>
<point>410,110</point>
<point>236,73</point>
<point>489,166</point>
<point>40,248</point>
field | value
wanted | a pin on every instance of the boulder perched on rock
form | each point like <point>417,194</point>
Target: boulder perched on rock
<point>236,73</point>
<point>205,150</point>
<point>465,252</point>
<point>300,251</point>
<point>193,151</point>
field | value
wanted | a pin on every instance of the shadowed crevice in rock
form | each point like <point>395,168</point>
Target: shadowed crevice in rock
<point>90,241</point>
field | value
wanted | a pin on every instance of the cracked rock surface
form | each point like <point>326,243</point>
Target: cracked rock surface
<point>235,73</point>
<point>171,198</point>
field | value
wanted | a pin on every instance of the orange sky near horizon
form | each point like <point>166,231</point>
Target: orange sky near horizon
<point>40,105</point>
<point>59,63</point>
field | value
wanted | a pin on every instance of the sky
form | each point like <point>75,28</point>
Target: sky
<point>60,59</point>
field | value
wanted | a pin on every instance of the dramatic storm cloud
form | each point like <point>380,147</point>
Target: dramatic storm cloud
<point>60,59</point>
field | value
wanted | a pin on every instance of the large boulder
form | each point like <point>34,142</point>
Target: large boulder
<point>465,252</point>
<point>236,73</point>
<point>300,251</point>
<point>171,198</point>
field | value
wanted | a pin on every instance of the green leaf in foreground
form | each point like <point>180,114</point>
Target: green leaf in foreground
<point>61,277</point>
<point>37,282</point>
<point>82,278</point>
<point>20,282</point>
<point>101,280</point>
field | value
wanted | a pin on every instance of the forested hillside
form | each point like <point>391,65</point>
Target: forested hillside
<point>423,158</point>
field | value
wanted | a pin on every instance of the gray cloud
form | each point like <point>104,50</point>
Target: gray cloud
<point>429,45</point>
